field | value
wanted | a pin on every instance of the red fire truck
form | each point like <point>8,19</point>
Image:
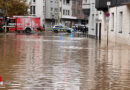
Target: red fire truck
<point>23,23</point>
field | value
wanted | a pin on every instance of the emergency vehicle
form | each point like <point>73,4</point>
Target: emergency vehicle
<point>1,24</point>
<point>23,23</point>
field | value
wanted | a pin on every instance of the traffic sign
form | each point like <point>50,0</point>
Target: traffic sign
<point>107,14</point>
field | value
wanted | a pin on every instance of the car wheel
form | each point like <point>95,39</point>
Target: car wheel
<point>28,30</point>
<point>68,31</point>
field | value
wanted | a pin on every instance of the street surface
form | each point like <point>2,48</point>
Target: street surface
<point>61,61</point>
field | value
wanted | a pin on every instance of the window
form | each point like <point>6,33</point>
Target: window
<point>68,12</point>
<point>64,2</point>
<point>34,11</point>
<point>120,22</point>
<point>112,22</point>
<point>34,1</point>
<point>51,9</point>
<point>30,9</point>
<point>51,1</point>
<point>67,1</point>
<point>63,12</point>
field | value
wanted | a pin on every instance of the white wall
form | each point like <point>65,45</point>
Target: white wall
<point>115,35</point>
<point>94,15</point>
<point>39,9</point>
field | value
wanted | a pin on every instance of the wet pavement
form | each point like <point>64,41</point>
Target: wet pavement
<point>51,61</point>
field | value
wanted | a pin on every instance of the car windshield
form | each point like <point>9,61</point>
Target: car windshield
<point>11,21</point>
<point>58,26</point>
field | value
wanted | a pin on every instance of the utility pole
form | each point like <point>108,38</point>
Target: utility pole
<point>108,16</point>
<point>5,17</point>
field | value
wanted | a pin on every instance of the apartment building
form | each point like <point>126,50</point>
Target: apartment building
<point>65,12</point>
<point>52,12</point>
<point>118,27</point>
<point>37,8</point>
<point>93,17</point>
<point>77,11</point>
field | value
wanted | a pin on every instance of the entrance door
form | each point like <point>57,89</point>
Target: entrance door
<point>96,30</point>
<point>100,25</point>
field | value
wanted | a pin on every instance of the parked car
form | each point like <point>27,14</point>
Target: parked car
<point>61,28</point>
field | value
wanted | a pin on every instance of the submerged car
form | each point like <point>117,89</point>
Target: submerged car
<point>59,28</point>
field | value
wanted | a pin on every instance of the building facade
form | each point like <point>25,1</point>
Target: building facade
<point>77,11</point>
<point>93,17</point>
<point>65,12</point>
<point>51,12</point>
<point>37,8</point>
<point>118,27</point>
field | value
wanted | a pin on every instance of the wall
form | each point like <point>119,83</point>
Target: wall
<point>115,35</point>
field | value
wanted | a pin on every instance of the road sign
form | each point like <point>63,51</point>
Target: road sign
<point>107,14</point>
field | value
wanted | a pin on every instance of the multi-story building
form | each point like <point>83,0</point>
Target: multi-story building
<point>51,12</point>
<point>118,27</point>
<point>65,12</point>
<point>77,12</point>
<point>37,8</point>
<point>93,18</point>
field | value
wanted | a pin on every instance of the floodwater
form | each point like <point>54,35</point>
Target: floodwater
<point>51,61</point>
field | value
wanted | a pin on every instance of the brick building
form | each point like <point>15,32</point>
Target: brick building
<point>77,11</point>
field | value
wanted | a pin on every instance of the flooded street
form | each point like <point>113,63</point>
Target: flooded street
<point>51,61</point>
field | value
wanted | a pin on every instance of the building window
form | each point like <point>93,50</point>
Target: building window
<point>30,9</point>
<point>63,12</point>
<point>120,22</point>
<point>34,11</point>
<point>51,9</point>
<point>68,12</point>
<point>64,2</point>
<point>112,22</point>
<point>67,1</point>
<point>51,1</point>
<point>34,1</point>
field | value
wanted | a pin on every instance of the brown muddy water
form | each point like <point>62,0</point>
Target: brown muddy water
<point>50,61</point>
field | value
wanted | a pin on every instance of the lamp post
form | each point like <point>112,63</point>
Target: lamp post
<point>108,15</point>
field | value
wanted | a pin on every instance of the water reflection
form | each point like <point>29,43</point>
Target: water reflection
<point>62,62</point>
